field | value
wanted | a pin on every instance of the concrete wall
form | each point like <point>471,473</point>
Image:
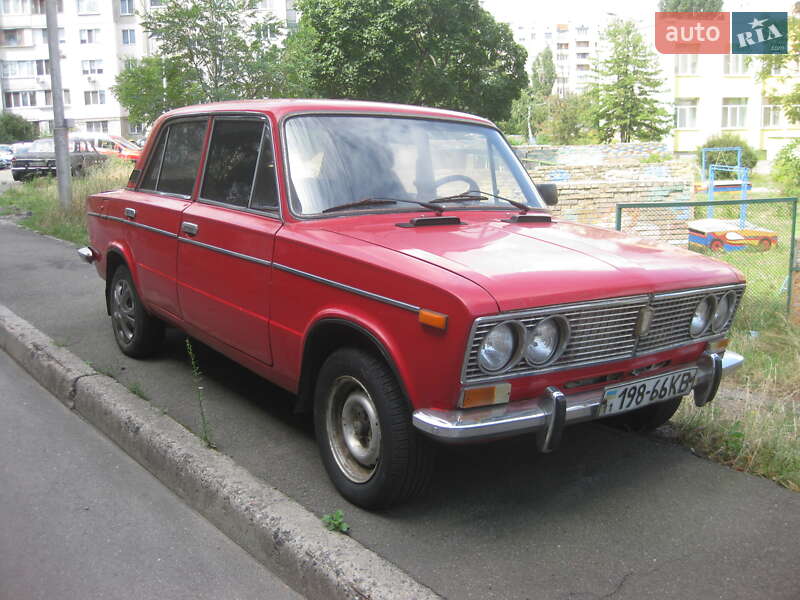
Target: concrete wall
<point>590,154</point>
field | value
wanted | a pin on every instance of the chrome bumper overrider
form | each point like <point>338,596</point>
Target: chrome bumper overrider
<point>548,414</point>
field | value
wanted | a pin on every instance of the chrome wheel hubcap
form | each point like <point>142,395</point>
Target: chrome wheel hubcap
<point>353,428</point>
<point>122,311</point>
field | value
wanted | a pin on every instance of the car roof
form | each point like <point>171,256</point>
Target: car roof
<point>285,107</point>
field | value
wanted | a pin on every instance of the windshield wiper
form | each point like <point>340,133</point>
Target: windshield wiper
<point>379,201</point>
<point>481,195</point>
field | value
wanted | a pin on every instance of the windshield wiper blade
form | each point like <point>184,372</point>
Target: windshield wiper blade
<point>482,195</point>
<point>379,201</point>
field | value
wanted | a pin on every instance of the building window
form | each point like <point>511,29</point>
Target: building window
<point>11,37</point>
<point>583,56</point>
<point>561,57</point>
<point>128,37</point>
<point>136,128</point>
<point>48,97</point>
<point>88,7</point>
<point>734,64</point>
<point>40,36</point>
<point>94,97</point>
<point>90,36</point>
<point>15,7</point>
<point>771,113</point>
<point>686,113</point>
<point>125,7</point>
<point>155,3</point>
<point>734,112</point>
<point>17,99</point>
<point>686,64</point>
<point>562,46</point>
<point>582,67</point>
<point>582,44</point>
<point>92,67</point>
<point>582,29</point>
<point>38,6</point>
<point>97,126</point>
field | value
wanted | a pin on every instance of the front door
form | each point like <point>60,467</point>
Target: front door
<point>226,238</point>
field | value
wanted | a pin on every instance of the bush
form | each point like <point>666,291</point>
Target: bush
<point>726,140</point>
<point>786,169</point>
<point>14,128</point>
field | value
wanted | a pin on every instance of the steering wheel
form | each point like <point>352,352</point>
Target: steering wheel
<point>471,183</point>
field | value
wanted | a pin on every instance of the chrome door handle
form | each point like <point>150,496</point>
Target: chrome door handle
<point>130,213</point>
<point>189,228</point>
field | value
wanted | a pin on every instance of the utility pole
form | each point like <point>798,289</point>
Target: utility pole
<point>63,167</point>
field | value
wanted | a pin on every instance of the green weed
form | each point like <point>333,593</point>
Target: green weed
<point>205,426</point>
<point>335,522</point>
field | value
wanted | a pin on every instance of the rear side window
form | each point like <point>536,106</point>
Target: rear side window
<point>232,159</point>
<point>175,160</point>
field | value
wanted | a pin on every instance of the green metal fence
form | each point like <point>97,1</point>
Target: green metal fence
<point>756,236</point>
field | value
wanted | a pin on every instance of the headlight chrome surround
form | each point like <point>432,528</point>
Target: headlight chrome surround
<point>561,341</point>
<point>696,331</point>
<point>517,331</point>
<point>728,301</point>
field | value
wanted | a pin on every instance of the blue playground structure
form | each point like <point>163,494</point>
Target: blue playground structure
<point>741,183</point>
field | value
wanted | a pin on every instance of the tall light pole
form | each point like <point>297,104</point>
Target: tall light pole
<point>63,167</point>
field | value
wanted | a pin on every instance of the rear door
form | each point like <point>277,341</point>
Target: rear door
<point>152,213</point>
<point>227,237</point>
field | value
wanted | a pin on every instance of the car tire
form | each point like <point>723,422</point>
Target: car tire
<point>648,418</point>
<point>369,447</point>
<point>764,244</point>
<point>138,334</point>
<point>717,246</point>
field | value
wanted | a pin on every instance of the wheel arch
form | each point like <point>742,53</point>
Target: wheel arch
<point>327,335</point>
<point>115,257</point>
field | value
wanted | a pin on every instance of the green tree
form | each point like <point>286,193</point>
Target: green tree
<point>14,128</point>
<point>690,5</point>
<point>569,120</point>
<point>543,73</point>
<point>151,86</point>
<point>773,74</point>
<point>444,53</point>
<point>627,82</point>
<point>527,114</point>
<point>219,48</point>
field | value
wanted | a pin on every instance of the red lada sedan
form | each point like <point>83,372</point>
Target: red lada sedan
<point>396,268</point>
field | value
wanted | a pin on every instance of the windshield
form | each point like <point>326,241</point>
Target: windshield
<point>42,146</point>
<point>336,160</point>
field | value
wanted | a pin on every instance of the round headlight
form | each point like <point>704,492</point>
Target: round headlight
<point>546,341</point>
<point>723,311</point>
<point>499,346</point>
<point>702,316</point>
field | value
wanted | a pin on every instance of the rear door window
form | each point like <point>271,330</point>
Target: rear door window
<point>173,168</point>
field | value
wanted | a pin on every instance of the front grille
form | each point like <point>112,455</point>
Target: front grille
<point>603,330</point>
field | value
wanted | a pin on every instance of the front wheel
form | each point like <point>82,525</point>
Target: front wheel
<point>138,334</point>
<point>369,447</point>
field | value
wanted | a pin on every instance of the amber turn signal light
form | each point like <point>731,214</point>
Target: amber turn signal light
<point>486,396</point>
<point>432,319</point>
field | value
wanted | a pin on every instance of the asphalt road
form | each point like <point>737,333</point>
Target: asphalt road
<point>608,515</point>
<point>81,519</point>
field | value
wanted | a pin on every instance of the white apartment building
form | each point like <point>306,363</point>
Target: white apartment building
<point>573,44</point>
<point>97,37</point>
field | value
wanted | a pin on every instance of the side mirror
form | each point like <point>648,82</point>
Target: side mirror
<point>548,192</point>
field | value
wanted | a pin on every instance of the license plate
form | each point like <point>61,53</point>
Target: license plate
<point>629,396</point>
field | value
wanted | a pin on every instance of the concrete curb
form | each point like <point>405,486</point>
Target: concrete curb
<point>276,530</point>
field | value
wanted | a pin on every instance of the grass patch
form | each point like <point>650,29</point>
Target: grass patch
<point>747,433</point>
<point>36,202</point>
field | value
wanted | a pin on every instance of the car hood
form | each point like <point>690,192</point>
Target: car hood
<point>538,264</point>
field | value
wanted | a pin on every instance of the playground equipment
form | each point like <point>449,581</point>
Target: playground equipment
<point>722,234</point>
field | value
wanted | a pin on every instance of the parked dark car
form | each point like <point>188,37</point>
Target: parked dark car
<point>40,159</point>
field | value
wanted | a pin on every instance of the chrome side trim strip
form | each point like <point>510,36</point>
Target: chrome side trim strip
<point>267,263</point>
<point>349,288</point>
<point>134,224</point>
<point>246,257</point>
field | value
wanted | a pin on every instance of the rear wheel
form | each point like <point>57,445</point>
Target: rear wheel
<point>764,244</point>
<point>647,418</point>
<point>138,334</point>
<point>369,447</point>
<point>717,246</point>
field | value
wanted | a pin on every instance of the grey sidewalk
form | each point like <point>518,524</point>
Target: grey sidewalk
<point>609,513</point>
<point>80,519</point>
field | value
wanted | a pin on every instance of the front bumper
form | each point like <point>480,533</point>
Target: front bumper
<point>542,414</point>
